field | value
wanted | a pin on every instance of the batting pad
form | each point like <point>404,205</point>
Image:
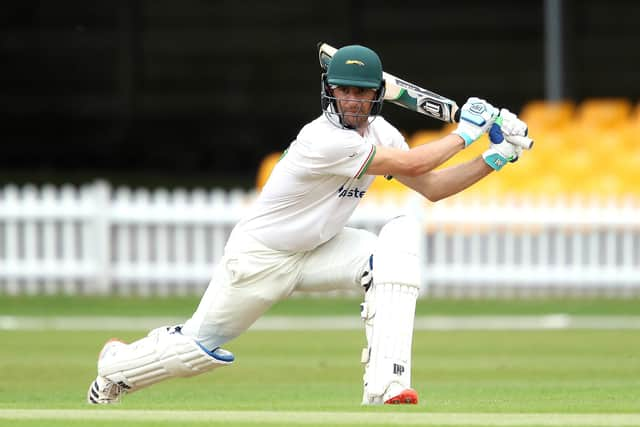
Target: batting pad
<point>164,353</point>
<point>388,357</point>
<point>389,310</point>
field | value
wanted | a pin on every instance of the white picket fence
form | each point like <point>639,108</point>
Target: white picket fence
<point>97,240</point>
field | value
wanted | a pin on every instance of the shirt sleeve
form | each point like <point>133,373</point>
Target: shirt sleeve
<point>392,137</point>
<point>349,156</point>
<point>401,143</point>
<point>397,140</point>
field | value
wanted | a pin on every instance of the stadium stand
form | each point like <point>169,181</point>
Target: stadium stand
<point>588,149</point>
<point>545,115</point>
<point>603,113</point>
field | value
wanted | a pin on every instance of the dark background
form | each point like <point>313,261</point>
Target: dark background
<point>167,92</point>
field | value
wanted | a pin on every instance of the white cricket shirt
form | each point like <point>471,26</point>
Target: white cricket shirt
<point>316,186</point>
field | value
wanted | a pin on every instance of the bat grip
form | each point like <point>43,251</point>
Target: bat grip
<point>521,141</point>
<point>496,137</point>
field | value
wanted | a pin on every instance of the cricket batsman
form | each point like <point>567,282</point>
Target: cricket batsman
<point>294,238</point>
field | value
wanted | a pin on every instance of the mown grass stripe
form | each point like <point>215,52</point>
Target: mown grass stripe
<point>300,323</point>
<point>301,417</point>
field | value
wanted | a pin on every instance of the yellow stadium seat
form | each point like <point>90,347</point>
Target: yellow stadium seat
<point>603,112</point>
<point>547,141</point>
<point>574,166</point>
<point>424,136</point>
<point>488,188</point>
<point>604,185</point>
<point>547,185</point>
<point>469,153</point>
<point>265,168</point>
<point>628,165</point>
<point>543,115</point>
<point>635,116</point>
<point>600,141</point>
<point>605,143</point>
<point>535,173</point>
<point>447,128</point>
<point>631,136</point>
<point>526,168</point>
<point>631,130</point>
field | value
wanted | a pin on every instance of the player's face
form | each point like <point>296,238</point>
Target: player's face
<point>354,103</point>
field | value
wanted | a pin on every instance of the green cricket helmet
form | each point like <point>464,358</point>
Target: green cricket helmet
<point>355,66</point>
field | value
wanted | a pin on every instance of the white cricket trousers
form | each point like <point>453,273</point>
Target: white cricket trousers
<point>250,278</point>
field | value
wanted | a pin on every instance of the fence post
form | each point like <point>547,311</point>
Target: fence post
<point>101,243</point>
<point>11,253</point>
<point>71,266</point>
<point>50,202</point>
<point>30,273</point>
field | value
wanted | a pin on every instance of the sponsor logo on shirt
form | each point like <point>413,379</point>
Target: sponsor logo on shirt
<point>351,192</point>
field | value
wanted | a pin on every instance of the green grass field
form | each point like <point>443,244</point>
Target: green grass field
<point>285,378</point>
<point>184,306</point>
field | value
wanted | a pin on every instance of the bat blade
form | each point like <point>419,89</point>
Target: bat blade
<point>420,100</point>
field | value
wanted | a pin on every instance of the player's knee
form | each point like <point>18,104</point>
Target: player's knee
<point>400,231</point>
<point>397,254</point>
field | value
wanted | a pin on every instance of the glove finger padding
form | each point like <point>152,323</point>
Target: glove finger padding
<point>510,124</point>
<point>517,150</point>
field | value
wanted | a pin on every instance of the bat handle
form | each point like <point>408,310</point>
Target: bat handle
<point>521,141</point>
<point>496,137</point>
<point>456,115</point>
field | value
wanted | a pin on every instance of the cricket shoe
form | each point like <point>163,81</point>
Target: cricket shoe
<point>408,396</point>
<point>396,394</point>
<point>103,391</point>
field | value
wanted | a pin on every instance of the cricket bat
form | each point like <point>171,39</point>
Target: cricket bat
<point>416,98</point>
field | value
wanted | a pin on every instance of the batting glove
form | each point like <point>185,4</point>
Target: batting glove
<point>499,154</point>
<point>476,117</point>
<point>507,125</point>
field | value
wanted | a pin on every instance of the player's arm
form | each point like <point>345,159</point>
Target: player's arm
<point>476,116</point>
<point>439,184</point>
<point>418,160</point>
